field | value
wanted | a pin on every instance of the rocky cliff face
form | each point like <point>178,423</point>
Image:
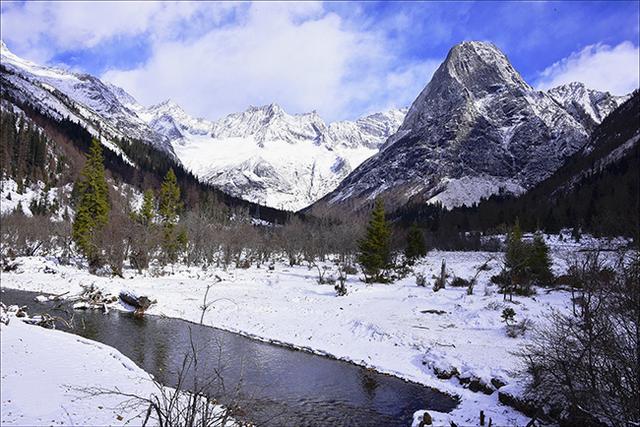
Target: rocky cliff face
<point>587,106</point>
<point>476,129</point>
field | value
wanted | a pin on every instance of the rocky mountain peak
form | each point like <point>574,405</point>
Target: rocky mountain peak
<point>268,111</point>
<point>481,67</point>
<point>477,128</point>
<point>472,78</point>
<point>168,105</point>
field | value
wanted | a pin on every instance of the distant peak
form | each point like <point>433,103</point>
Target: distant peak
<point>167,104</point>
<point>4,50</point>
<point>476,44</point>
<point>272,109</point>
<point>567,86</point>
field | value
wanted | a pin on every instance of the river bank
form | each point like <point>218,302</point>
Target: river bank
<point>401,329</point>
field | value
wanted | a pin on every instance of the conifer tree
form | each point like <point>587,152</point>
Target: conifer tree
<point>375,251</point>
<point>539,262</point>
<point>416,247</point>
<point>515,257</point>
<point>147,211</point>
<point>169,206</point>
<point>92,210</point>
<point>515,262</point>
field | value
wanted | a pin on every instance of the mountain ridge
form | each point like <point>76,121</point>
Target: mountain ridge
<point>326,152</point>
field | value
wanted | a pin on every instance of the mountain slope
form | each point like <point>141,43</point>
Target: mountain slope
<point>262,155</point>
<point>597,189</point>
<point>97,106</point>
<point>476,129</point>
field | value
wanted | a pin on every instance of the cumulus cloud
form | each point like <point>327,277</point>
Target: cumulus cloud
<point>609,68</point>
<point>299,56</point>
<point>217,58</point>
<point>40,30</point>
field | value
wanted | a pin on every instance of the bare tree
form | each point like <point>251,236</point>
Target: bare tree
<point>587,363</point>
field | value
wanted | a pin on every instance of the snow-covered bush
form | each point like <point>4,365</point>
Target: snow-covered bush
<point>341,288</point>
<point>459,282</point>
<point>518,329</point>
<point>421,279</point>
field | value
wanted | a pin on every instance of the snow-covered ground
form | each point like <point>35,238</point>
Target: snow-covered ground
<point>44,373</point>
<point>10,198</point>
<point>399,328</point>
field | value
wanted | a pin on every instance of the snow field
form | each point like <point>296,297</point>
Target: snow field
<point>44,373</point>
<point>399,328</point>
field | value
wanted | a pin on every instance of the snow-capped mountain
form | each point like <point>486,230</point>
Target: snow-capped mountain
<point>368,131</point>
<point>170,120</point>
<point>268,156</point>
<point>262,155</point>
<point>587,106</point>
<point>476,129</point>
<point>101,108</point>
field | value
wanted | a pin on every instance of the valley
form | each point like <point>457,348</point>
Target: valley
<point>320,214</point>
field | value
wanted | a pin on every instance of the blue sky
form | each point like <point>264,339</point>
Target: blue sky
<point>342,59</point>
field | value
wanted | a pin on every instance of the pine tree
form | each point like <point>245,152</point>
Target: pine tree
<point>375,251</point>
<point>515,255</point>
<point>416,247</point>
<point>539,262</point>
<point>169,206</point>
<point>147,210</point>
<point>92,210</point>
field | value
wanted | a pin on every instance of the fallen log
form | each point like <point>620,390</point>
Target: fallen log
<point>140,303</point>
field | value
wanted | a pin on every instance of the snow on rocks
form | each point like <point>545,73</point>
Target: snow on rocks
<point>391,328</point>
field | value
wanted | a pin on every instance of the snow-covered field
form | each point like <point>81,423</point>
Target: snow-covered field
<point>45,373</point>
<point>400,328</point>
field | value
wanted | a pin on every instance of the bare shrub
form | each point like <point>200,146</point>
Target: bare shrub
<point>26,236</point>
<point>341,286</point>
<point>586,363</point>
<point>459,282</point>
<point>518,329</point>
<point>291,240</point>
<point>188,404</point>
<point>114,240</point>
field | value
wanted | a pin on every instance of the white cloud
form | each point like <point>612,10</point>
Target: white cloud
<point>602,67</point>
<point>298,56</point>
<point>217,58</point>
<point>39,30</point>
